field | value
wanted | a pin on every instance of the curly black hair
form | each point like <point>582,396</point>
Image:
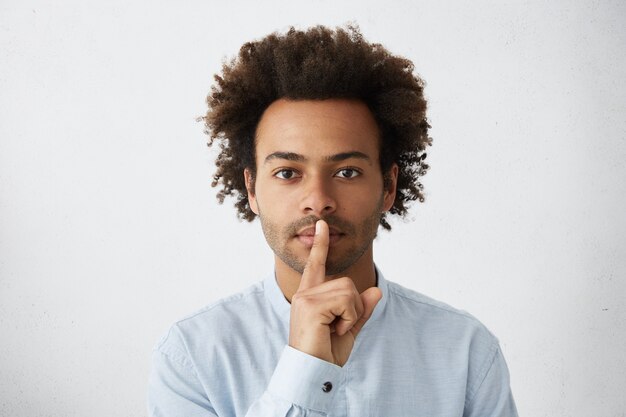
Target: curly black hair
<point>317,64</point>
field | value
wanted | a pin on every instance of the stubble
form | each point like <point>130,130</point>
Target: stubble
<point>339,259</point>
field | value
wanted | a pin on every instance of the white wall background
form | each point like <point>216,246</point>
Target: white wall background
<point>109,230</point>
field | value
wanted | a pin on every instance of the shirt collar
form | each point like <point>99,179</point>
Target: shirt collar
<point>282,307</point>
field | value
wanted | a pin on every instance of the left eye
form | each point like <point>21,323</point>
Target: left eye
<point>348,173</point>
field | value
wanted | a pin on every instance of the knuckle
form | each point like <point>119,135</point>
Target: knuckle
<point>346,283</point>
<point>302,301</point>
<point>347,299</point>
<point>351,316</point>
<point>342,299</point>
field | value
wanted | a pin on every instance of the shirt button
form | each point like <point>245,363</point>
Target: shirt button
<point>327,386</point>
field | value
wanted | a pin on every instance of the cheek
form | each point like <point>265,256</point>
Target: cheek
<point>364,198</point>
<point>276,206</point>
<point>275,197</point>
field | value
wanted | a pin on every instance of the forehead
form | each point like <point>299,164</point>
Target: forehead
<point>317,127</point>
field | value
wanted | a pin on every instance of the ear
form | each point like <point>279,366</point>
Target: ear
<point>389,194</point>
<point>249,179</point>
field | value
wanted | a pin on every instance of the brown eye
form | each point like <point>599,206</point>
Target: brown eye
<point>285,174</point>
<point>348,173</point>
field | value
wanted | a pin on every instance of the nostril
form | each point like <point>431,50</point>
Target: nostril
<point>317,199</point>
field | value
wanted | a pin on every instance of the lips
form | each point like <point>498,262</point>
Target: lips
<point>307,235</point>
<point>310,231</point>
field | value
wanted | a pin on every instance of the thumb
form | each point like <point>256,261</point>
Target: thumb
<point>370,298</point>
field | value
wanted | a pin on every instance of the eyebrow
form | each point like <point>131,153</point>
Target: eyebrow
<point>292,156</point>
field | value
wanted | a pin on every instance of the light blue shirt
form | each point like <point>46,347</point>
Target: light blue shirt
<point>414,357</point>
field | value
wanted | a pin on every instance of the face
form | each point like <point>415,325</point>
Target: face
<point>319,159</point>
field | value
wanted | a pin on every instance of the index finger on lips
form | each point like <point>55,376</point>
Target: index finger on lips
<point>315,270</point>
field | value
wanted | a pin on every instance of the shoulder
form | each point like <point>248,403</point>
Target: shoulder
<point>419,300</point>
<point>239,302</point>
<point>437,316</point>
<point>215,320</point>
<point>452,336</point>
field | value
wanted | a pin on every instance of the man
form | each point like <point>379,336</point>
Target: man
<point>322,134</point>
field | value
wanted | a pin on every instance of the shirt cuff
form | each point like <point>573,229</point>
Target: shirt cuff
<point>305,380</point>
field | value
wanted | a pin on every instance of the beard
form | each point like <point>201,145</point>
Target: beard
<point>358,236</point>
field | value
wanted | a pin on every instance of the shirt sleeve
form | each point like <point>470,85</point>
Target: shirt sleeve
<point>301,383</point>
<point>301,386</point>
<point>492,397</point>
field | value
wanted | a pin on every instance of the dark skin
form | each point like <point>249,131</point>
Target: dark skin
<point>327,273</point>
<point>327,315</point>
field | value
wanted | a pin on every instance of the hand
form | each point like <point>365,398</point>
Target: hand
<point>327,316</point>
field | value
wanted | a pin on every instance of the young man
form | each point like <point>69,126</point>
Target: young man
<point>323,134</point>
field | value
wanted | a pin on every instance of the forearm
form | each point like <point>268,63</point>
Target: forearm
<point>301,386</point>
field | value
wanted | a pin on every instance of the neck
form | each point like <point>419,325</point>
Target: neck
<point>362,273</point>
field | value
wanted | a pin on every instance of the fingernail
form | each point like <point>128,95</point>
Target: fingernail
<point>318,227</point>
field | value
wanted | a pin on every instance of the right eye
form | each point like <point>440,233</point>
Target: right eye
<point>285,174</point>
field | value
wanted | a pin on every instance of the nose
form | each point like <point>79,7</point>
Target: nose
<point>317,197</point>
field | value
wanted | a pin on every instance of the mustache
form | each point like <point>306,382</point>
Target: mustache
<point>309,221</point>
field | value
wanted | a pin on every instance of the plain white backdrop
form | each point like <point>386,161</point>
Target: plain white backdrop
<point>110,231</point>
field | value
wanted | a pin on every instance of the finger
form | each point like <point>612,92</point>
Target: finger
<point>346,321</point>
<point>315,269</point>
<point>334,286</point>
<point>347,310</point>
<point>370,298</point>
